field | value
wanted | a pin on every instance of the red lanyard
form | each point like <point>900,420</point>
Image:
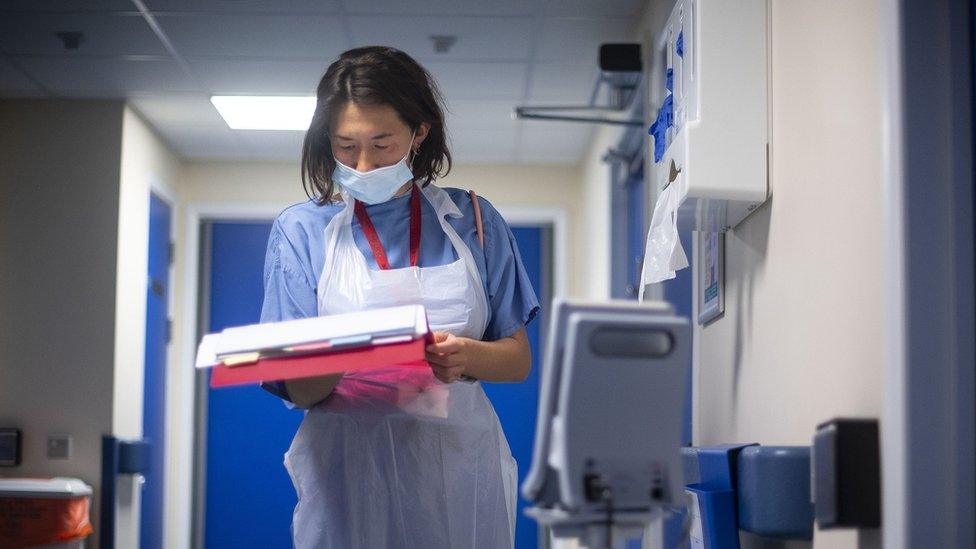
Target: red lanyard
<point>374,240</point>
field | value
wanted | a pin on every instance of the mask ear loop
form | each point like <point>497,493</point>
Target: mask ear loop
<point>413,150</point>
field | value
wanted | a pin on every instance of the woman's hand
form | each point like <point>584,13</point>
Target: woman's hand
<point>505,360</point>
<point>448,356</point>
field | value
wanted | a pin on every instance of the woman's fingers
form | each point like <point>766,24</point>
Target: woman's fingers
<point>448,345</point>
<point>445,357</point>
<point>442,360</point>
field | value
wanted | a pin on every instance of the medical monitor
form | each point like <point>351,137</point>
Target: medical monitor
<point>541,484</point>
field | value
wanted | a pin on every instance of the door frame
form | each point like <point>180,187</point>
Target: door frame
<point>184,524</point>
<point>927,426</point>
<point>557,219</point>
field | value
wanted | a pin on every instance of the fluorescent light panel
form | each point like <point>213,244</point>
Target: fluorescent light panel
<point>243,112</point>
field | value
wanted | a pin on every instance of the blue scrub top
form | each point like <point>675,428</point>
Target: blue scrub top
<point>296,255</point>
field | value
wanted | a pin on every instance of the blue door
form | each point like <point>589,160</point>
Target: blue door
<point>517,404</point>
<point>249,497</point>
<point>154,398</point>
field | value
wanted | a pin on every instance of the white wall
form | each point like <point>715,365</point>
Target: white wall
<point>146,165</point>
<point>595,227</point>
<point>74,216</point>
<point>59,213</point>
<point>801,339</point>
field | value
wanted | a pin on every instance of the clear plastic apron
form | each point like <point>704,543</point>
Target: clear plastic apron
<point>394,457</point>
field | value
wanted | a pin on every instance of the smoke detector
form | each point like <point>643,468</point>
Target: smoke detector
<point>71,39</point>
<point>443,42</point>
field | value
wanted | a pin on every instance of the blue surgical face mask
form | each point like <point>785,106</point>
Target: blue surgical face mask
<point>375,186</point>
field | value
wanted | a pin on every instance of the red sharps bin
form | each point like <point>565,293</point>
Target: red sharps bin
<point>48,513</point>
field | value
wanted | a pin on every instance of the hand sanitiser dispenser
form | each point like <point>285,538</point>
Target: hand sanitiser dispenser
<point>711,132</point>
<point>710,165</point>
<point>607,449</point>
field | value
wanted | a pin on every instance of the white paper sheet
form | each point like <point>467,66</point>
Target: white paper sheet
<point>380,323</point>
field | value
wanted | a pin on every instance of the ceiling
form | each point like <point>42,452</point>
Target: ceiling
<point>168,56</point>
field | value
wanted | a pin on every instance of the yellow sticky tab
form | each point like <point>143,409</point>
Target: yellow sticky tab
<point>241,359</point>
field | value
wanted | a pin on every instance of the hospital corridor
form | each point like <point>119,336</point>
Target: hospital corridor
<point>487,274</point>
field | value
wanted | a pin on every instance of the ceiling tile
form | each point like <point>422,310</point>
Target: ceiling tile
<point>282,145</point>
<point>568,83</point>
<point>589,8</point>
<point>13,80</point>
<point>251,6</point>
<point>478,38</point>
<point>578,40</point>
<point>167,110</point>
<point>545,141</point>
<point>203,141</point>
<point>244,77</point>
<point>485,115</point>
<point>104,34</point>
<point>482,145</point>
<point>479,80</point>
<point>277,36</point>
<point>67,5</point>
<point>65,75</point>
<point>444,7</point>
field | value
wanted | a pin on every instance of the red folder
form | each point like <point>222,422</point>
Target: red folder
<point>406,354</point>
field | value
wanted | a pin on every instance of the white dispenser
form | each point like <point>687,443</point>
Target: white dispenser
<point>717,148</point>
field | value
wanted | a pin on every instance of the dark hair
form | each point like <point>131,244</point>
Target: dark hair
<point>375,75</point>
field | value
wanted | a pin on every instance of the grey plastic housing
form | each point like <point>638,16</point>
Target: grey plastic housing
<point>610,409</point>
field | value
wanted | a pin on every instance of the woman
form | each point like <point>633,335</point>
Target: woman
<point>398,457</point>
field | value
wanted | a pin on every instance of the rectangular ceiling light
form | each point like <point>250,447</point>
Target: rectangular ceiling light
<point>242,112</point>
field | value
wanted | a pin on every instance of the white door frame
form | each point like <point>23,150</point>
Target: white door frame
<point>183,426</point>
<point>927,427</point>
<point>556,217</point>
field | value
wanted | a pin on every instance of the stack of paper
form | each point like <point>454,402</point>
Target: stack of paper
<point>316,346</point>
